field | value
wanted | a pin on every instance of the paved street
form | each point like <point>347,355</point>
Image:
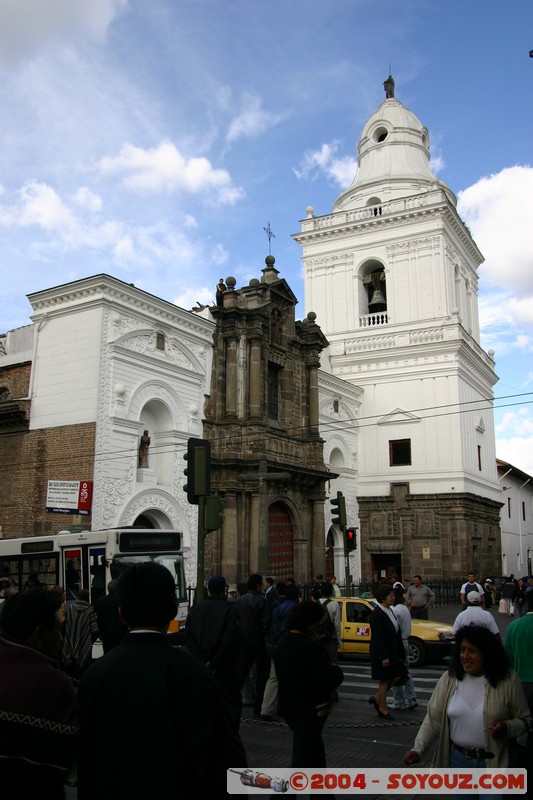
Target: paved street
<point>354,737</point>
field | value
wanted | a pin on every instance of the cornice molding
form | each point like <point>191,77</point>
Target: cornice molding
<point>103,290</point>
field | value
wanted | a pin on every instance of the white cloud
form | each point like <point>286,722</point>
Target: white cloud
<point>164,168</point>
<point>325,161</point>
<point>219,255</point>
<point>87,199</point>
<point>514,437</point>
<point>252,121</point>
<point>26,26</point>
<point>497,209</point>
<point>205,295</point>
<point>436,164</point>
<point>39,205</point>
<point>70,228</point>
<point>190,221</point>
<point>517,451</point>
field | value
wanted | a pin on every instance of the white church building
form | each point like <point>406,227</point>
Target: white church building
<point>391,273</point>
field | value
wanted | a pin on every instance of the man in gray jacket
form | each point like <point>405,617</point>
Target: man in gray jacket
<point>419,598</point>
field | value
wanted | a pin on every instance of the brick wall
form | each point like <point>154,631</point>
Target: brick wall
<point>28,460</point>
<point>16,379</point>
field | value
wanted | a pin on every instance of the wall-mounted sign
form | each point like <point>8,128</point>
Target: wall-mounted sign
<point>69,497</point>
<point>425,552</point>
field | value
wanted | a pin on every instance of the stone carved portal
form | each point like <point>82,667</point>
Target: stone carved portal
<point>280,556</point>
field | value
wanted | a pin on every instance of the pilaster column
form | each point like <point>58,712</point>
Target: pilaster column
<point>231,377</point>
<point>229,545</point>
<point>255,379</point>
<point>313,396</point>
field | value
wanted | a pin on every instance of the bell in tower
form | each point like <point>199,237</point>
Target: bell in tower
<point>377,301</point>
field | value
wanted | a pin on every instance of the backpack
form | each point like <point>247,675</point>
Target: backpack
<point>278,627</point>
<point>325,628</point>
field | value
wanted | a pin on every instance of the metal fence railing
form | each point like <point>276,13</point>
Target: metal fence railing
<point>447,591</point>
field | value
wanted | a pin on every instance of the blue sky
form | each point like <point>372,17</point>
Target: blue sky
<point>155,139</point>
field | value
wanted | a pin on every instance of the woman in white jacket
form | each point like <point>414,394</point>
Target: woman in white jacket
<point>477,709</point>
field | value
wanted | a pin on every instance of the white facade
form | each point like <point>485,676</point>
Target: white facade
<point>339,405</point>
<point>108,353</point>
<point>517,520</point>
<point>416,354</point>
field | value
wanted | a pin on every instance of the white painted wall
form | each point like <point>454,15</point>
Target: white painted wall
<point>516,520</point>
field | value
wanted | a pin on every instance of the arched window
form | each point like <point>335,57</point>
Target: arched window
<point>372,294</point>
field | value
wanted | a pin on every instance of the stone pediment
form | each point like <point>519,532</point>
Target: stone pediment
<point>144,342</point>
<point>281,291</point>
<point>398,416</point>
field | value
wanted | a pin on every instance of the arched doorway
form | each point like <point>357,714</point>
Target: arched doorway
<point>143,521</point>
<point>280,558</point>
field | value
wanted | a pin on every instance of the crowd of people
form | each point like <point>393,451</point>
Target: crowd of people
<point>63,713</point>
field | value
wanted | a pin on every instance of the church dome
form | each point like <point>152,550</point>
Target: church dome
<point>393,159</point>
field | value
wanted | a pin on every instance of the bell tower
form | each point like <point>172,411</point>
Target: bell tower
<point>392,276</point>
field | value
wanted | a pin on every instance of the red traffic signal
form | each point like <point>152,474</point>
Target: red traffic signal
<point>351,539</point>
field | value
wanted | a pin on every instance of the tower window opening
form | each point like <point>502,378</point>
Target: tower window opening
<point>377,292</point>
<point>400,452</point>
<point>380,134</point>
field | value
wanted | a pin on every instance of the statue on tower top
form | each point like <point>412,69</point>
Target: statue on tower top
<point>389,87</point>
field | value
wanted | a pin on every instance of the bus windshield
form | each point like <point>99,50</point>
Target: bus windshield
<point>172,562</point>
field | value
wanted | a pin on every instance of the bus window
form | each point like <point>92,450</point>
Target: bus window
<point>174,563</point>
<point>72,559</point>
<point>171,562</point>
<point>45,570</point>
<point>97,569</point>
<point>9,571</point>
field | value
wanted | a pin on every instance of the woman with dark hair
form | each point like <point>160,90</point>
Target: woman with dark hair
<point>386,649</point>
<point>306,681</point>
<point>476,709</point>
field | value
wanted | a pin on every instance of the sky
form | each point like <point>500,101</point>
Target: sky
<point>155,140</point>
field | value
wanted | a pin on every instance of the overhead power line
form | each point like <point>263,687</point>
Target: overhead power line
<point>332,426</point>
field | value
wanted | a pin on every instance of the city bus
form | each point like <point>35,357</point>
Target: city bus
<point>90,559</point>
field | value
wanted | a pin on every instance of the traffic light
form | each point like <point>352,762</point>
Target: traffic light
<point>214,513</point>
<point>198,471</point>
<point>351,539</point>
<point>338,510</point>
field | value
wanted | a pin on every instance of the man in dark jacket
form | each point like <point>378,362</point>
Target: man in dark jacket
<point>152,717</point>
<point>39,720</point>
<point>253,615</point>
<point>211,636</point>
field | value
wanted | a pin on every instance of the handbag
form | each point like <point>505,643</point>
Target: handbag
<point>502,608</point>
<point>403,676</point>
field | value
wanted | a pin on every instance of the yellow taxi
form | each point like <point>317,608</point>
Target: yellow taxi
<point>428,641</point>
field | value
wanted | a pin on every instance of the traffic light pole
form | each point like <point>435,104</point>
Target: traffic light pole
<point>347,575</point>
<point>200,565</point>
